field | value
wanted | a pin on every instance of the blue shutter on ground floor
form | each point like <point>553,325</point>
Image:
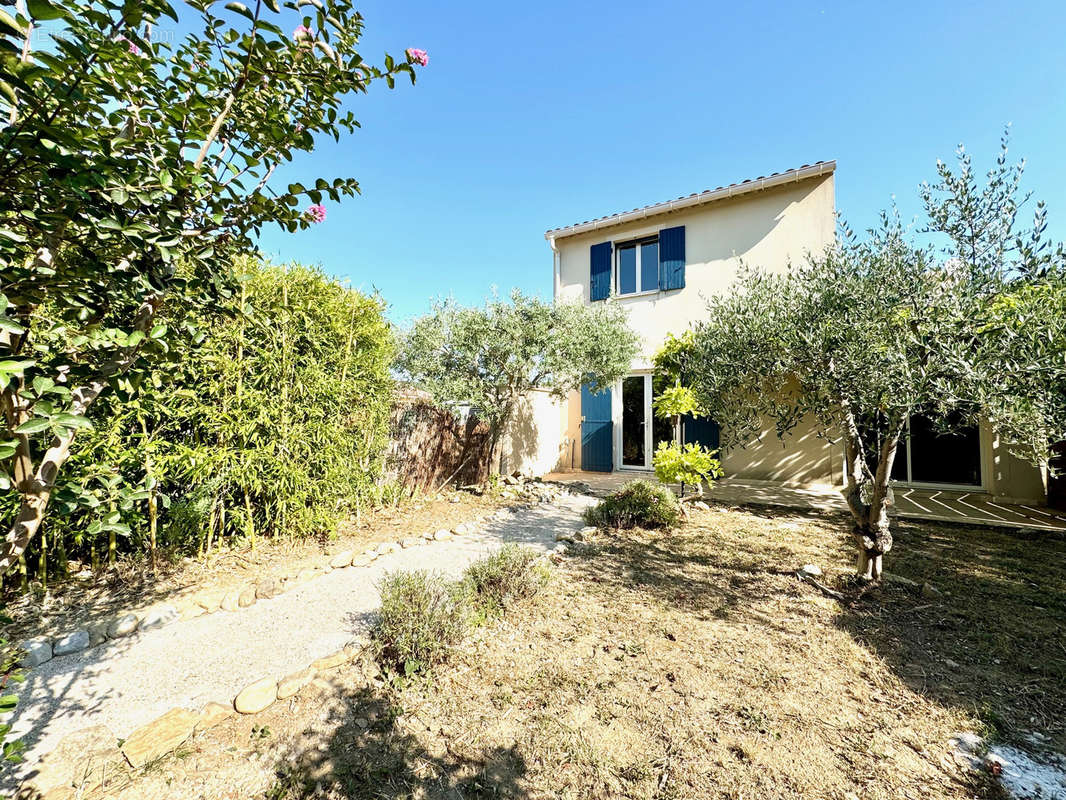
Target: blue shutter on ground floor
<point>672,258</point>
<point>597,430</point>
<point>600,271</point>
<point>699,430</point>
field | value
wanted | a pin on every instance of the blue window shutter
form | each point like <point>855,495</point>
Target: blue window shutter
<point>672,258</point>
<point>600,272</point>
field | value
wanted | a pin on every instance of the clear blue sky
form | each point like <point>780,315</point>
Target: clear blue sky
<point>532,116</point>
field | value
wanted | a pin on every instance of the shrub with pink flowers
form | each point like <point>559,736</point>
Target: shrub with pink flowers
<point>137,166</point>
<point>416,56</point>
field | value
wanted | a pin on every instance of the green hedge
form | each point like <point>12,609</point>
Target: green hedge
<point>270,421</point>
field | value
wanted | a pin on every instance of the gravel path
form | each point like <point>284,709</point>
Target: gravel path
<point>129,682</point>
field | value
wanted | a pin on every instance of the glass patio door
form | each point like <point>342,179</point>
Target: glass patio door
<point>634,421</point>
<point>927,456</point>
<point>641,430</point>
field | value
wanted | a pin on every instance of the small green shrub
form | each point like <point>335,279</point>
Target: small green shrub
<point>422,618</point>
<point>686,464</point>
<point>639,504</point>
<point>506,577</point>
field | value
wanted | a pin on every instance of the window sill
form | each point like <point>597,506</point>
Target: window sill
<point>638,294</point>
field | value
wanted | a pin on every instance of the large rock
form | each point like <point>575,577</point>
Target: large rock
<point>192,610</point>
<point>442,535</point>
<point>246,597</point>
<point>387,547</point>
<point>342,559</point>
<point>232,600</point>
<point>211,600</point>
<point>158,617</point>
<point>122,626</point>
<point>97,633</point>
<point>267,588</point>
<point>212,715</point>
<point>291,684</point>
<point>257,696</point>
<point>331,661</point>
<point>83,758</point>
<point>73,642</point>
<point>410,541</point>
<point>158,738</point>
<point>35,652</point>
<point>362,561</point>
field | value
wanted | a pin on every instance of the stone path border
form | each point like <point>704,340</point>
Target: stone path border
<point>85,759</point>
<point>39,650</point>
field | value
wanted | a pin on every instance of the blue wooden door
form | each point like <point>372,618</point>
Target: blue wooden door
<point>597,431</point>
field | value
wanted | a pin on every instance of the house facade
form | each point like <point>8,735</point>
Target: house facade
<point>660,263</point>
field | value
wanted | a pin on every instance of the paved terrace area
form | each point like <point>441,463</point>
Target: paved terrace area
<point>939,505</point>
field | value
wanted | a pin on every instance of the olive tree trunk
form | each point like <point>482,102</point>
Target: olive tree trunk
<point>871,528</point>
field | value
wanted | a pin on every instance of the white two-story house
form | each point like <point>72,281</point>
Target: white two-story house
<point>661,262</point>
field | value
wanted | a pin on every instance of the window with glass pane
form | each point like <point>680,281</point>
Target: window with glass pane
<point>638,266</point>
<point>627,269</point>
<point>649,266</point>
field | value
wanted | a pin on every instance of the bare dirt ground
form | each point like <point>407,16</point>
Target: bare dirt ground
<point>689,664</point>
<point>75,603</point>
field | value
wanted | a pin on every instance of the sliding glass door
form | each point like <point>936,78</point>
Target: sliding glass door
<point>928,456</point>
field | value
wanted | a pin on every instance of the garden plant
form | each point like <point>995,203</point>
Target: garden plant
<point>961,321</point>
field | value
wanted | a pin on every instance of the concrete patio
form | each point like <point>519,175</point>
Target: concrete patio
<point>938,505</point>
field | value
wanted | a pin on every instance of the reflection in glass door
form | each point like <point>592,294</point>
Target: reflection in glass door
<point>927,455</point>
<point>634,409</point>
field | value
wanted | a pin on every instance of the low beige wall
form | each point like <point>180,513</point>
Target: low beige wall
<point>536,441</point>
<point>799,457</point>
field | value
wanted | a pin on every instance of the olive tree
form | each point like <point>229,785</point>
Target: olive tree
<point>494,355</point>
<point>135,165</point>
<point>961,321</point>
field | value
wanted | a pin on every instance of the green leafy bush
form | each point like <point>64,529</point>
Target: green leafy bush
<point>506,577</point>
<point>639,504</point>
<point>423,616</point>
<point>272,421</point>
<point>685,464</point>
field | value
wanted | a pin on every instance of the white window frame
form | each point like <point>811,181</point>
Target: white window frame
<point>983,446</point>
<point>616,413</point>
<point>636,245</point>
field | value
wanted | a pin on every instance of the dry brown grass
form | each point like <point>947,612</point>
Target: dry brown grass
<point>132,583</point>
<point>693,664</point>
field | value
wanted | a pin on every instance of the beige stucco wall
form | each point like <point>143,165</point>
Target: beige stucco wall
<point>1008,477</point>
<point>536,441</point>
<point>766,229</point>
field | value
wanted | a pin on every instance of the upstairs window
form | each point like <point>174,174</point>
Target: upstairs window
<point>638,266</point>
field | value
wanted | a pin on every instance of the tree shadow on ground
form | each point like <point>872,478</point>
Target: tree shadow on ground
<point>370,753</point>
<point>970,618</point>
<point>976,618</point>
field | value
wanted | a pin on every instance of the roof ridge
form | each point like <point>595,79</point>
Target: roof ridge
<point>697,198</point>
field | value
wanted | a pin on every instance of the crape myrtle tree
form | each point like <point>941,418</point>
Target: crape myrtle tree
<point>135,165</point>
<point>961,324</point>
<point>494,355</point>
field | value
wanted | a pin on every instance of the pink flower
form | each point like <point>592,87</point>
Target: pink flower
<point>417,56</point>
<point>300,33</point>
<point>316,213</point>
<point>129,45</point>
